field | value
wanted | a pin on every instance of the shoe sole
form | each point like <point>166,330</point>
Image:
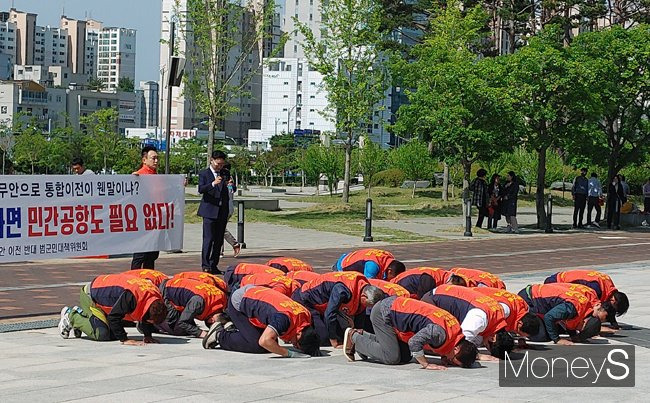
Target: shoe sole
<point>211,332</point>
<point>64,329</point>
<point>346,338</point>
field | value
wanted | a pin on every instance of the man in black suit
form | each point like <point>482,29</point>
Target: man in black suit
<point>213,185</point>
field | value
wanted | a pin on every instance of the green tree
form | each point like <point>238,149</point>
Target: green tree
<point>372,159</point>
<point>332,165</point>
<point>241,164</point>
<point>31,146</point>
<point>458,101</point>
<point>104,140</point>
<point>348,56</point>
<point>129,157</point>
<point>7,142</point>
<point>612,67</point>
<point>95,84</point>
<point>415,161</point>
<point>125,84</point>
<point>221,36</point>
<point>309,162</point>
<point>187,157</point>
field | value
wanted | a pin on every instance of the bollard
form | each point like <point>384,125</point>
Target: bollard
<point>549,215</point>
<point>468,217</point>
<point>240,224</point>
<point>368,236</point>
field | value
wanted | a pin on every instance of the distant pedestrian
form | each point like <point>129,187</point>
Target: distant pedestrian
<point>646,197</point>
<point>479,190</point>
<point>214,209</point>
<point>236,247</point>
<point>494,204</point>
<point>626,187</point>
<point>579,191</point>
<point>79,168</point>
<point>595,196</point>
<point>615,199</point>
<point>149,155</point>
<point>509,198</point>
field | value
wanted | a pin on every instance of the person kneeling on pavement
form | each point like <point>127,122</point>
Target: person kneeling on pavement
<point>109,300</point>
<point>188,300</point>
<point>256,317</point>
<point>404,328</point>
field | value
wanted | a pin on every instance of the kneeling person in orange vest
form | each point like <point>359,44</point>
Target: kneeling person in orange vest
<point>155,276</point>
<point>573,308</point>
<point>203,277</point>
<point>289,264</point>
<point>302,276</point>
<point>480,278</point>
<point>109,300</point>
<point>282,284</point>
<point>421,280</point>
<point>373,263</point>
<point>404,327</point>
<point>188,300</point>
<point>481,318</point>
<point>235,273</point>
<point>260,316</point>
<point>334,300</point>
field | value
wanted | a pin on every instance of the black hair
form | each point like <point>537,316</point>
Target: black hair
<point>467,354</point>
<point>609,308</point>
<point>146,149</point>
<point>583,169</point>
<point>457,280</point>
<point>594,175</point>
<point>494,178</point>
<point>218,154</point>
<point>591,329</point>
<point>397,267</point>
<point>77,161</point>
<point>530,324</point>
<point>622,303</point>
<point>309,342</point>
<point>503,344</point>
<point>622,177</point>
<point>481,173</point>
<point>512,175</point>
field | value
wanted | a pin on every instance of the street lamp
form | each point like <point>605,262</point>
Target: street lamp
<point>289,117</point>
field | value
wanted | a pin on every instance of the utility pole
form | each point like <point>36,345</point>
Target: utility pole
<point>168,123</point>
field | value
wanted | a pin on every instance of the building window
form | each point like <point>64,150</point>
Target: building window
<point>108,104</point>
<point>84,102</point>
<point>286,83</point>
<point>285,96</point>
<point>284,109</point>
<point>99,103</point>
<point>3,109</point>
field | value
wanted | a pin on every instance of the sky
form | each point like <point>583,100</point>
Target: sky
<point>142,15</point>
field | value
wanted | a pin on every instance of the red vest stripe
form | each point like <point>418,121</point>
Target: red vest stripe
<point>480,277</point>
<point>281,284</point>
<point>155,276</point>
<point>204,278</point>
<point>289,264</point>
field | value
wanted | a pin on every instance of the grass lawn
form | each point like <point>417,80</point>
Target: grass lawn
<point>329,214</point>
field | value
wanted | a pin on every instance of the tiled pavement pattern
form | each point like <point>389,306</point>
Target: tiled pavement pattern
<point>36,288</point>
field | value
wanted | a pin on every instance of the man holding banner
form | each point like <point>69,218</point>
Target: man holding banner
<point>146,260</point>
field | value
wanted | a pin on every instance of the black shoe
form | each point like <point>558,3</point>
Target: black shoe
<point>211,339</point>
<point>214,271</point>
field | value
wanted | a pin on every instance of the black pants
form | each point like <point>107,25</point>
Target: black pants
<point>482,213</point>
<point>593,202</point>
<point>245,339</point>
<point>144,260</point>
<point>646,205</point>
<point>613,215</point>
<point>579,208</point>
<point>213,232</point>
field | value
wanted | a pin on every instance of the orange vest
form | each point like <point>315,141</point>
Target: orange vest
<point>204,278</point>
<point>409,316</point>
<point>410,278</point>
<point>282,284</point>
<point>601,283</point>
<point>287,264</point>
<point>518,307</point>
<point>259,304</point>
<point>480,277</point>
<point>547,296</point>
<point>106,290</point>
<point>358,258</point>
<point>233,275</point>
<point>389,287</point>
<point>460,300</point>
<point>178,291</point>
<point>302,276</point>
<point>154,276</point>
<point>320,288</point>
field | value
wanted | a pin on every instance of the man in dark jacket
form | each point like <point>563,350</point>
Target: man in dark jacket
<point>480,196</point>
<point>579,191</point>
<point>615,200</point>
<point>214,210</point>
<point>509,201</point>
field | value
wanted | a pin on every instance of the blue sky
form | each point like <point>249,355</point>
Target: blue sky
<point>142,15</point>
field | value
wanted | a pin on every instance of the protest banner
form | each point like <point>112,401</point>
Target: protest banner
<point>57,216</point>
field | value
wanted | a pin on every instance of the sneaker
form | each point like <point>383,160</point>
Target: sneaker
<point>348,344</point>
<point>229,327</point>
<point>595,224</point>
<point>211,340</point>
<point>236,250</point>
<point>64,323</point>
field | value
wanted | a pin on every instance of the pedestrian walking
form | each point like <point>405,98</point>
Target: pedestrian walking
<point>646,197</point>
<point>149,155</point>
<point>479,190</point>
<point>595,196</point>
<point>579,192</point>
<point>214,209</point>
<point>615,199</point>
<point>494,204</point>
<point>509,198</point>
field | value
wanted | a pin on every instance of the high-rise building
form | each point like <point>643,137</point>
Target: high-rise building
<point>151,99</point>
<point>76,43</point>
<point>116,57</point>
<point>8,40</point>
<point>307,12</point>
<point>25,29</point>
<point>51,46</point>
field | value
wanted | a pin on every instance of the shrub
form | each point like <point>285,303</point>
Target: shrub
<point>390,177</point>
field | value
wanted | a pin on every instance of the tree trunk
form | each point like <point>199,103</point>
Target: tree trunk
<point>3,162</point>
<point>413,194</point>
<point>211,141</point>
<point>511,37</point>
<point>271,172</point>
<point>318,185</point>
<point>467,171</point>
<point>346,177</point>
<point>445,182</point>
<point>32,167</point>
<point>369,189</point>
<point>539,196</point>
